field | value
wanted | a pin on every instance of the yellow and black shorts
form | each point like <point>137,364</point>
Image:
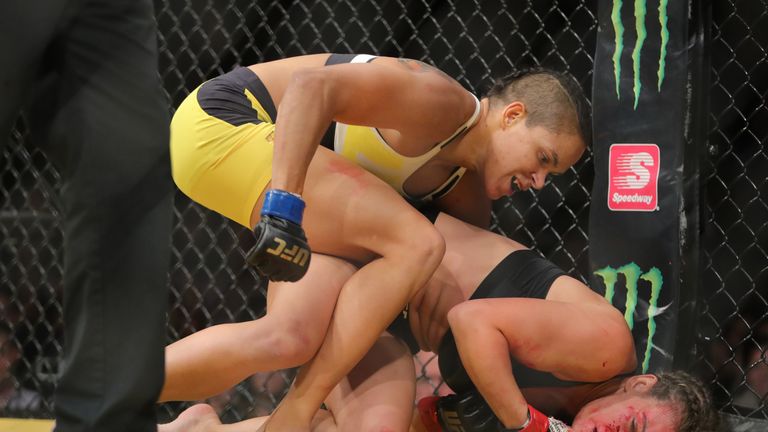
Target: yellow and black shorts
<point>222,144</point>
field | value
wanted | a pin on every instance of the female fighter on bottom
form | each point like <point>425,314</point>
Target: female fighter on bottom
<point>513,332</point>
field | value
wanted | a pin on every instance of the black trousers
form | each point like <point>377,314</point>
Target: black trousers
<point>86,71</point>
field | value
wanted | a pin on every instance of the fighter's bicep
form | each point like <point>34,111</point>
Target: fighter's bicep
<point>566,339</point>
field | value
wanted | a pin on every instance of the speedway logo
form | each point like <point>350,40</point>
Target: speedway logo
<point>640,9</point>
<point>641,288</point>
<point>633,177</point>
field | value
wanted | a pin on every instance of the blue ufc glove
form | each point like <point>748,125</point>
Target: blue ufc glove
<point>281,252</point>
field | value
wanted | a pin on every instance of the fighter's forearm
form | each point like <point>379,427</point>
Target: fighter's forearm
<point>301,121</point>
<point>484,352</point>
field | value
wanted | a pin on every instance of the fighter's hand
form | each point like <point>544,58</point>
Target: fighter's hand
<point>470,412</point>
<point>281,252</point>
<point>538,422</point>
<point>458,413</point>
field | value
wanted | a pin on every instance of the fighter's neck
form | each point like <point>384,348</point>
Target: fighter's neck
<point>469,149</point>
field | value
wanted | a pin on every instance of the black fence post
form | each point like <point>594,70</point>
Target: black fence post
<point>639,105</point>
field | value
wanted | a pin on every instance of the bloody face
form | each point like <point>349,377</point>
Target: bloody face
<point>627,412</point>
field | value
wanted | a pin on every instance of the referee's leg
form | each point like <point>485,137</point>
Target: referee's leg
<point>117,198</point>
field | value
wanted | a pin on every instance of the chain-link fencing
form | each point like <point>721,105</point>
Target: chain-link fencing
<point>734,316</point>
<point>472,41</point>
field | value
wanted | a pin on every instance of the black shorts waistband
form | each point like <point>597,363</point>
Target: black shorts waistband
<point>224,97</point>
<point>522,273</point>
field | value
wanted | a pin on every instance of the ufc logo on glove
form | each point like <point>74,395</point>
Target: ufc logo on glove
<point>281,252</point>
<point>297,255</point>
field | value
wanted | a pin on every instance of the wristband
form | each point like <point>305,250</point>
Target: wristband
<point>539,420</point>
<point>283,204</point>
<point>524,425</point>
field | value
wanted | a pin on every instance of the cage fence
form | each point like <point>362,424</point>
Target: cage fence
<point>734,317</point>
<point>475,42</point>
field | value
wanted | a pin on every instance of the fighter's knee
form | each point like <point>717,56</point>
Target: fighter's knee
<point>295,348</point>
<point>435,242</point>
<point>292,344</point>
<point>424,246</point>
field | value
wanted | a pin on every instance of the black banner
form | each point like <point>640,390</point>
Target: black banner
<point>639,102</point>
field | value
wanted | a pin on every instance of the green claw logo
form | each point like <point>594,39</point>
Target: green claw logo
<point>633,274</point>
<point>640,11</point>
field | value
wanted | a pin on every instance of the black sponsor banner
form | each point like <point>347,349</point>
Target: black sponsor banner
<point>639,102</point>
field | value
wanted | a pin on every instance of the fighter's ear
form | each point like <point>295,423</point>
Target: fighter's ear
<point>639,383</point>
<point>514,111</point>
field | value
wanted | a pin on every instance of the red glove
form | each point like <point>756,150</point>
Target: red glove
<point>436,414</point>
<point>538,422</point>
<point>428,413</point>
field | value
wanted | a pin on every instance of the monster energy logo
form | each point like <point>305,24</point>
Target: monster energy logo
<point>640,11</point>
<point>632,275</point>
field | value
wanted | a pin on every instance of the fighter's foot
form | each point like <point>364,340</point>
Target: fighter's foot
<point>197,418</point>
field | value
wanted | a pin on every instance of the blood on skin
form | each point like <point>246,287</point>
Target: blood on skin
<point>525,352</point>
<point>615,426</point>
<point>345,168</point>
<point>616,413</point>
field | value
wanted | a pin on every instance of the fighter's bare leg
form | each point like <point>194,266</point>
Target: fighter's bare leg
<point>214,359</point>
<point>351,213</point>
<point>378,393</point>
<point>203,418</point>
<point>197,418</point>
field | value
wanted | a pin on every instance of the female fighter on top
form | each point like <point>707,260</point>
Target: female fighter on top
<point>247,145</point>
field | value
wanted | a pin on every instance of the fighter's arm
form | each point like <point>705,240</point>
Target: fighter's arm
<point>406,97</point>
<point>399,94</point>
<point>564,337</point>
